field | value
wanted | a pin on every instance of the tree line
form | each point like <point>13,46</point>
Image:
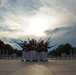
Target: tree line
<point>63,48</point>
<point>8,47</point>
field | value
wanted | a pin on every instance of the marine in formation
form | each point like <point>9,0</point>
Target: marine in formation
<point>33,50</point>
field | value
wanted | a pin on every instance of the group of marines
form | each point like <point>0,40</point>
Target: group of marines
<point>35,51</point>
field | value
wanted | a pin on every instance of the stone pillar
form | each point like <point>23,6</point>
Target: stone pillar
<point>6,52</point>
<point>70,52</point>
<point>74,52</point>
<point>0,52</point>
<point>3,52</point>
<point>63,55</point>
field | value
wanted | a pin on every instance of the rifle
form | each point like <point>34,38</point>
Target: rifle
<point>20,44</point>
<point>48,39</point>
<point>52,46</point>
<point>39,40</point>
<point>21,40</point>
<point>16,42</point>
<point>28,40</point>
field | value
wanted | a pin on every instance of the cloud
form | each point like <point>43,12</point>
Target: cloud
<point>69,5</point>
<point>16,15</point>
<point>65,30</point>
<point>11,42</point>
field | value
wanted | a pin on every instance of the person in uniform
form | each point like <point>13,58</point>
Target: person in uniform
<point>23,55</point>
<point>33,50</point>
<point>46,51</point>
<point>41,49</point>
<point>24,51</point>
<point>29,51</point>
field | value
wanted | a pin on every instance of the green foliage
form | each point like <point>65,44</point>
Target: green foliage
<point>7,47</point>
<point>63,48</point>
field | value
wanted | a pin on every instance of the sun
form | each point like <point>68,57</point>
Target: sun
<point>37,26</point>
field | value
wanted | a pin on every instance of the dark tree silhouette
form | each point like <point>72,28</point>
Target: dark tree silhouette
<point>7,47</point>
<point>63,48</point>
<point>1,44</point>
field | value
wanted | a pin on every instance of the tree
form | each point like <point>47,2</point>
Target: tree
<point>7,47</point>
<point>1,44</point>
<point>63,48</point>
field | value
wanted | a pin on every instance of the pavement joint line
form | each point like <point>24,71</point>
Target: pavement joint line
<point>47,67</point>
<point>50,69</point>
<point>17,70</point>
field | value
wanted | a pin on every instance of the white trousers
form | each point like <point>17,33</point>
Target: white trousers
<point>38,55</point>
<point>33,55</point>
<point>29,56</point>
<point>46,56</point>
<point>43,55</point>
<point>24,55</point>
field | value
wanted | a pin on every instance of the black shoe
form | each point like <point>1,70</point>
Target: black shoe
<point>35,60</point>
<point>27,60</point>
<point>32,61</point>
<point>43,61</point>
<point>22,60</point>
<point>46,60</point>
<point>40,60</point>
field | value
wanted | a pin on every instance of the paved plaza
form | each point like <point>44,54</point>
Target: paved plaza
<point>52,67</point>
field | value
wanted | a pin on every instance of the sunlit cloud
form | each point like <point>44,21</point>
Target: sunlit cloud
<point>37,18</point>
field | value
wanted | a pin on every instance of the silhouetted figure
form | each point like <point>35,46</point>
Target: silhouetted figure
<point>34,51</point>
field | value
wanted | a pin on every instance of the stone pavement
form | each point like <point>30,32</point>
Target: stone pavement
<point>52,67</point>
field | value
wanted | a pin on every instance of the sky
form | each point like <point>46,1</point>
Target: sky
<point>23,19</point>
